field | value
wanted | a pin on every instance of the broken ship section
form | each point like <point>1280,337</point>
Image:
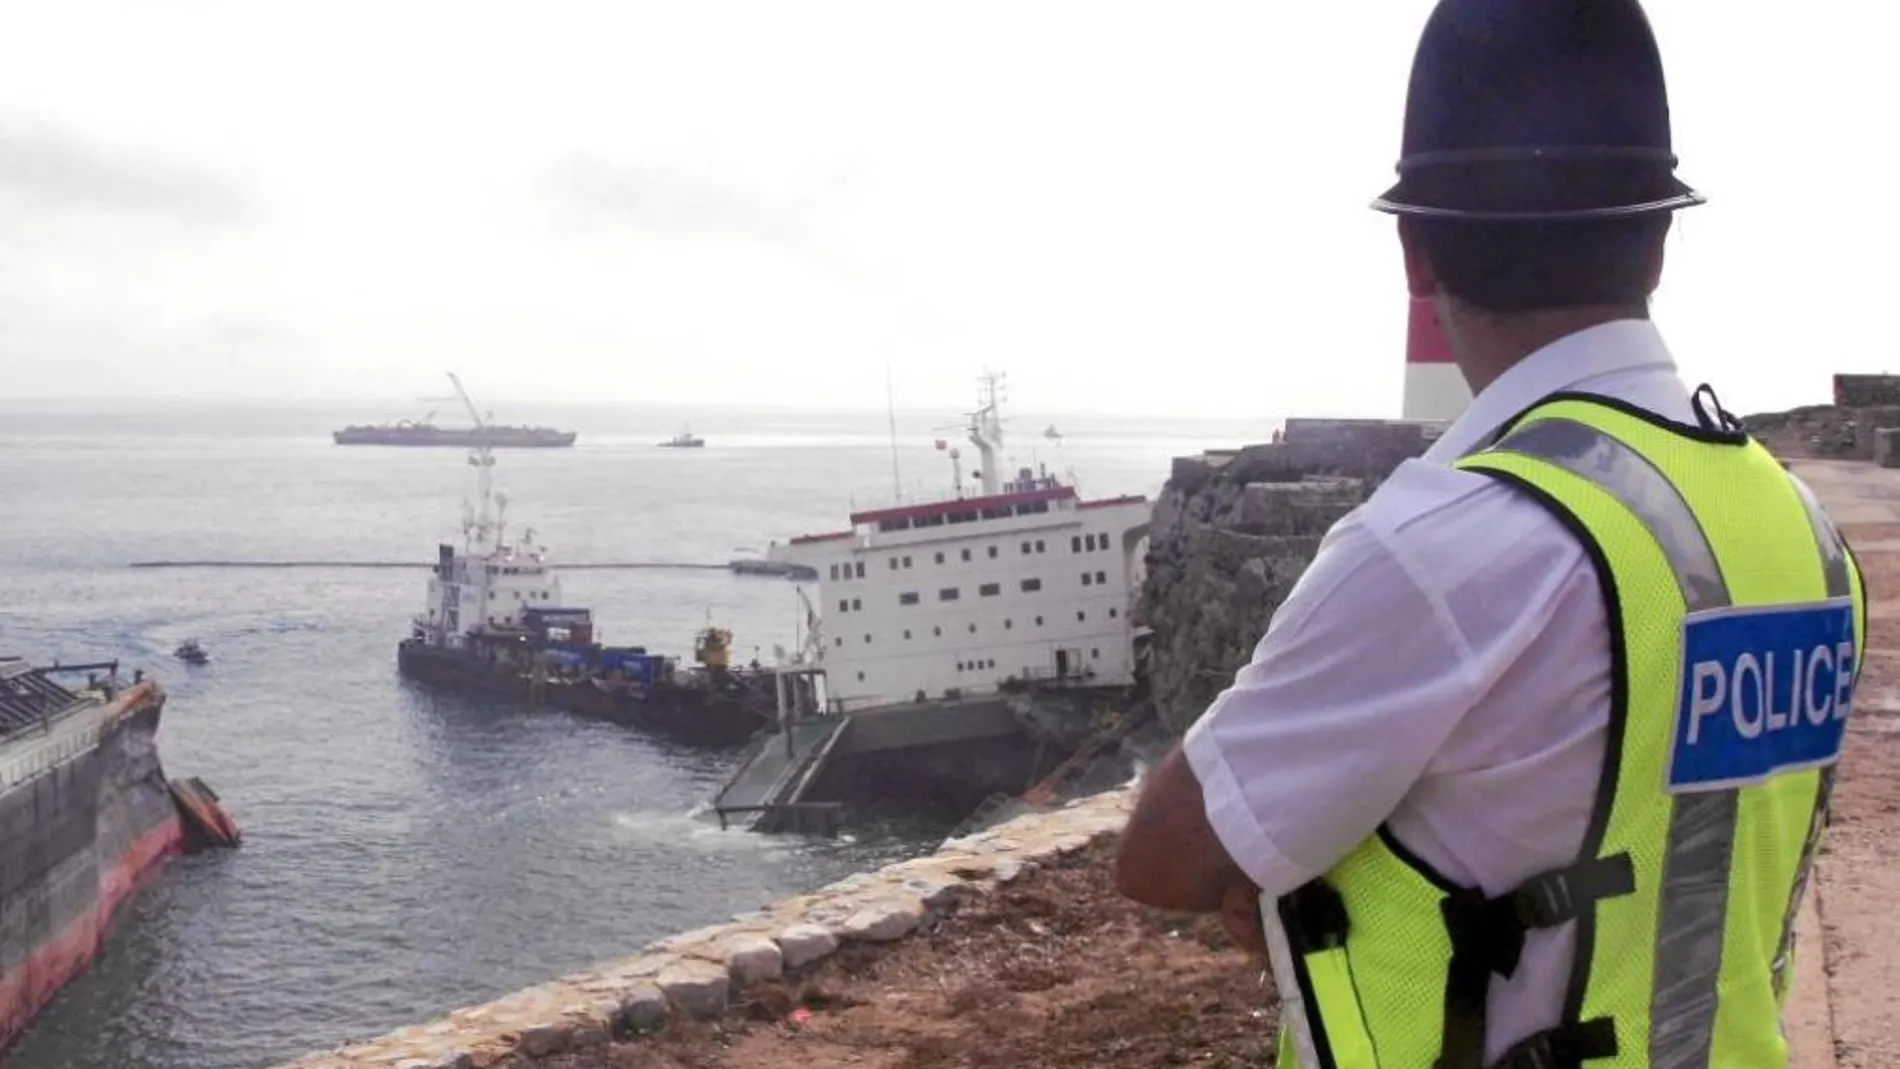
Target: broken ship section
<point>85,813</point>
<point>970,648</point>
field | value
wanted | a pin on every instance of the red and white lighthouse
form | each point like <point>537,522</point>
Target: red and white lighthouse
<point>1434,387</point>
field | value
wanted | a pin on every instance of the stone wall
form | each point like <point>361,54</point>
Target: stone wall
<point>1866,391</point>
<point>1232,532</point>
<point>701,973</point>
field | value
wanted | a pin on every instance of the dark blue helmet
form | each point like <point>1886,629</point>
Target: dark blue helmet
<point>1536,110</point>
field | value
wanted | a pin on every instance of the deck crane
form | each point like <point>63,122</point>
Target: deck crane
<point>477,529</point>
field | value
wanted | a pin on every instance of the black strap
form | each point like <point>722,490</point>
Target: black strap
<point>1566,1046</point>
<point>1487,937</point>
<point>1710,413</point>
<point>1314,917</point>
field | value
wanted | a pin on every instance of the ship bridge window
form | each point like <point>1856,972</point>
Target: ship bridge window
<point>844,605</point>
<point>906,562</point>
<point>1030,508</point>
<point>1039,545</point>
<point>966,554</point>
<point>834,571</point>
<point>859,570</point>
<point>1087,579</point>
<point>1030,586</point>
<point>990,590</point>
<point>961,516</point>
<point>939,558</point>
<point>1100,578</point>
<point>948,593</point>
<point>928,521</point>
<point>856,604</point>
<point>908,597</point>
<point>1027,549</point>
<point>992,552</point>
<point>996,513</point>
<point>1075,544</point>
<point>893,564</point>
<point>901,523</point>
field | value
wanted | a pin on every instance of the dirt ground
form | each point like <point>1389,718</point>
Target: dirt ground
<point>1054,970</point>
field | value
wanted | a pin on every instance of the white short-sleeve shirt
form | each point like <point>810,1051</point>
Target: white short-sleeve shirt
<point>1443,666</point>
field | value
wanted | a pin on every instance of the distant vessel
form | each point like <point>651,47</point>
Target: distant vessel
<point>87,813</point>
<point>685,439</point>
<point>495,623</point>
<point>190,652</point>
<point>409,432</point>
<point>424,432</point>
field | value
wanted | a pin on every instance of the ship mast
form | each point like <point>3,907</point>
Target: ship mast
<point>986,429</point>
<point>482,458</point>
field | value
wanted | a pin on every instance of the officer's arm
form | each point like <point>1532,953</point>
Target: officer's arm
<point>1170,857</point>
<point>1357,683</point>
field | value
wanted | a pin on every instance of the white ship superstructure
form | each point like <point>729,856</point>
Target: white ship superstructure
<point>1023,582</point>
<point>491,584</point>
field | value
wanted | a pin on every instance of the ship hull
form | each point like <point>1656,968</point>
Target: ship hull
<point>454,437</point>
<point>700,715</point>
<point>81,825</point>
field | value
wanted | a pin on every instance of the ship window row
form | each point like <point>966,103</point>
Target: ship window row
<point>970,515</point>
<point>532,595</point>
<point>985,590</point>
<point>1009,624</point>
<point>855,569</point>
<point>1093,543</point>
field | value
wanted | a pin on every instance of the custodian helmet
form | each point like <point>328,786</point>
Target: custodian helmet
<point>1536,110</point>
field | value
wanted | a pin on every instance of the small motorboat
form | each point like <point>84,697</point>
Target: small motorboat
<point>190,652</point>
<point>685,439</point>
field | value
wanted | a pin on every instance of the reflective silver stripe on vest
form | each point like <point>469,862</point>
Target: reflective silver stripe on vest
<point>1692,905</point>
<point>1834,567</point>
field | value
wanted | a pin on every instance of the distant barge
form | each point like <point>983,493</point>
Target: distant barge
<point>410,432</point>
<point>536,664</point>
<point>485,434</point>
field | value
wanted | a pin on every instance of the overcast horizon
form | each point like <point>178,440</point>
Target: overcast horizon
<point>756,205</point>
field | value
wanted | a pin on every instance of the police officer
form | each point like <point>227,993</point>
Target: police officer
<point>1529,769</point>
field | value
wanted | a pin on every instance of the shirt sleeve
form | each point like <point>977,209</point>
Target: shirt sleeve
<point>1362,676</point>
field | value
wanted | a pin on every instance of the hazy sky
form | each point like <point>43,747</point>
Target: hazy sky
<point>1131,208</point>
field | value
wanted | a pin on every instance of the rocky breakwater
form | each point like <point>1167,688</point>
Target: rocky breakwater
<point>1231,534</point>
<point>1862,423</point>
<point>702,973</point>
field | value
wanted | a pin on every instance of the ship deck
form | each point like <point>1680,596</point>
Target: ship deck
<point>27,752</point>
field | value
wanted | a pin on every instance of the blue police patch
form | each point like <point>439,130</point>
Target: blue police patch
<point>1764,690</point>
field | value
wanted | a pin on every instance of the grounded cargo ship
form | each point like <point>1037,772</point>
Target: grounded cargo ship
<point>494,623</point>
<point>85,811</point>
<point>410,432</point>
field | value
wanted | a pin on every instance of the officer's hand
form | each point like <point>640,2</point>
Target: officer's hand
<point>1240,916</point>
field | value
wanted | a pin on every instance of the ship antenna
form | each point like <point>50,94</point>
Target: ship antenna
<point>986,428</point>
<point>890,409</point>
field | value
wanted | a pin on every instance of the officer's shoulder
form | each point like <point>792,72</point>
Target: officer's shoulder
<point>1452,524</point>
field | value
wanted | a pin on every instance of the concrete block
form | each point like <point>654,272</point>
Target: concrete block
<point>1887,447</point>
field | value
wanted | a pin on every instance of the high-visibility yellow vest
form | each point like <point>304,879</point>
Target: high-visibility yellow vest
<point>1736,614</point>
